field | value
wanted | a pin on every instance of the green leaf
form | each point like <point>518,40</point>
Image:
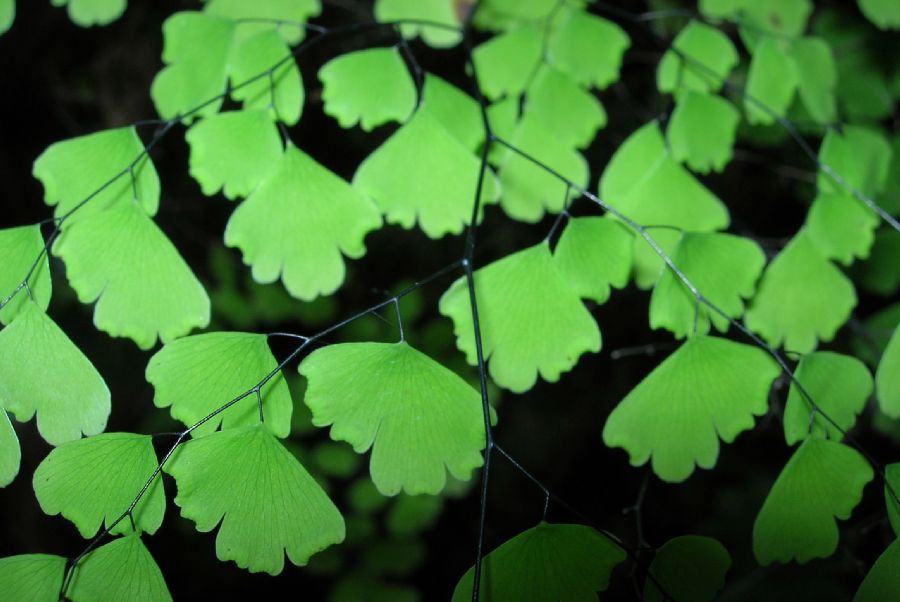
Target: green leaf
<point>419,418</point>
<point>841,227</point>
<point>7,15</point>
<point>860,155</point>
<point>262,498</point>
<point>521,289</point>
<point>524,11</point>
<point>123,569</point>
<point>196,49</point>
<point>771,82</point>
<point>455,110</point>
<point>573,114</point>
<point>435,11</point>
<point>816,77</point>
<point>702,131</point>
<point>587,48</point>
<point>506,63</point>
<point>784,311</point>
<point>775,20</point>
<point>265,15</point>
<point>73,171</point>
<point>440,177</point>
<point>838,384</point>
<point>546,562</point>
<point>32,577</point>
<point>892,478</point>
<point>106,261</point>
<point>886,15</point>
<point>198,374</point>
<point>887,378</point>
<point>10,452</point>
<point>709,388</point>
<point>93,12</point>
<point>233,152</point>
<point>413,514</point>
<point>691,568</point>
<point>320,217</point>
<point>699,44</point>
<point>593,254</point>
<point>93,481</point>
<point>822,481</point>
<point>335,459</point>
<point>281,93</point>
<point>889,199</point>
<point>20,248</point>
<point>42,372</point>
<point>883,580</point>
<point>722,267</point>
<point>529,189</point>
<point>371,87</point>
<point>719,9</point>
<point>879,273</point>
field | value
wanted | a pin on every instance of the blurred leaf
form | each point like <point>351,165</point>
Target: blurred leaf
<point>435,11</point>
<point>887,378</point>
<point>771,82</point>
<point>701,131</point>
<point>562,107</point>
<point>284,16</point>
<point>841,227</point>
<point>93,12</point>
<point>691,568</point>
<point>886,15</point>
<point>10,451</point>
<point>587,48</point>
<point>709,58</point>
<point>506,63</point>
<point>816,77</point>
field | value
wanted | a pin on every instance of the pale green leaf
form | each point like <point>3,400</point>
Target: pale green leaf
<point>841,227</point>
<point>722,267</point>
<point>691,568</point>
<point>532,322</point>
<point>816,77</point>
<point>701,131</point>
<point>593,254</point>
<point>860,155</point>
<point>7,15</point>
<point>546,562</point>
<point>534,10</point>
<point>233,152</point>
<point>280,93</point>
<point>892,478</point>
<point>708,389</point>
<point>821,482</point>
<point>440,177</point>
<point>506,63</point>
<point>370,87</point>
<point>573,114</point>
<point>20,248</point>
<point>420,419</point>
<point>704,59</point>
<point>528,188</point>
<point>198,374</point>
<point>455,110</point>
<point>771,82</point>
<point>587,48</point>
<point>436,11</point>
<point>123,569</point>
<point>106,261</point>
<point>10,452</point>
<point>260,496</point>
<point>887,378</point>
<point>320,217</point>
<point>42,372</point>
<point>73,171</point>
<point>93,12</point>
<point>93,481</point>
<point>264,15</point>
<point>886,15</point>
<point>879,273</point>
<point>883,580</point>
<point>31,577</point>
<point>838,384</point>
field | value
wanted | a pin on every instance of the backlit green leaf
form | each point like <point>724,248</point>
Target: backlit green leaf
<point>106,261</point>
<point>772,20</point>
<point>571,113</point>
<point>506,62</point>
<point>785,311</point>
<point>7,14</point>
<point>435,11</point>
<point>198,374</point>
<point>32,577</point>
<point>587,48</point>
<point>698,44</point>
<point>691,568</point>
<point>440,176</point>
<point>546,562</point>
<point>371,87</point>
<point>280,93</point>
<point>320,218</point>
<point>771,82</point>
<point>20,248</point>
<point>524,288</point>
<point>260,496</point>
<point>525,11</point>
<point>822,481</point>
<point>93,481</point>
<point>879,273</point>
<point>702,131</point>
<point>838,384</point>
<point>42,372</point>
<point>886,15</point>
<point>887,378</point>
<point>816,77</point>
<point>74,170</point>
<point>455,110</point>
<point>123,569</point>
<point>883,580</point>
<point>722,267</point>
<point>860,155</point>
<point>593,254</point>
<point>892,478</point>
<point>420,419</point>
<point>233,152</point>
<point>93,12</point>
<point>841,227</point>
<point>10,452</point>
<point>264,15</point>
<point>709,388</point>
